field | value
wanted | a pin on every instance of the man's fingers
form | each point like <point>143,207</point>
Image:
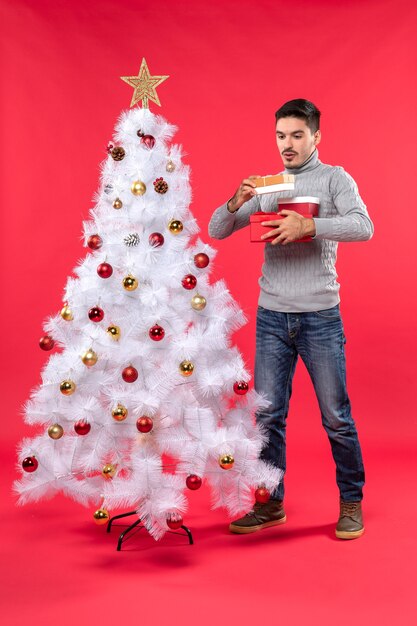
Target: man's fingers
<point>287,212</point>
<point>271,233</point>
<point>272,223</point>
<point>248,182</point>
<point>248,192</point>
<point>281,239</point>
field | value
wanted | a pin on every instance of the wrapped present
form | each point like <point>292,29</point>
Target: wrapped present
<point>306,206</point>
<point>271,184</point>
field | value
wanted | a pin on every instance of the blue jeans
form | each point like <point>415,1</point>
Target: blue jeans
<point>319,339</point>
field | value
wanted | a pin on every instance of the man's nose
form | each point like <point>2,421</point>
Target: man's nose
<point>287,144</point>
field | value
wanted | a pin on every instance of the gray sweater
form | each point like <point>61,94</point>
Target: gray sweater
<point>302,276</point>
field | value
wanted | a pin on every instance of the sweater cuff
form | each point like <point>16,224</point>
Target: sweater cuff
<point>230,216</point>
<point>324,227</point>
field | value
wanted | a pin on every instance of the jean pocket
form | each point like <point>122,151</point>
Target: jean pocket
<point>332,313</point>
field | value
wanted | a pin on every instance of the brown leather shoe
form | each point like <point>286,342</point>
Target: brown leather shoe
<point>262,516</point>
<point>350,523</point>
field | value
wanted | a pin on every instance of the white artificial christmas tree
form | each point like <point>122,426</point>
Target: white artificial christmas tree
<point>146,396</point>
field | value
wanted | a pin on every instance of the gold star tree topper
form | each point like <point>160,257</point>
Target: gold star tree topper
<point>144,86</point>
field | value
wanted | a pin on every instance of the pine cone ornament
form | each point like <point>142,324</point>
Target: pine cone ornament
<point>132,240</point>
<point>118,153</point>
<point>161,186</point>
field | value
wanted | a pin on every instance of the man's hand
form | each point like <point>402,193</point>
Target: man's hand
<point>245,192</point>
<point>294,226</point>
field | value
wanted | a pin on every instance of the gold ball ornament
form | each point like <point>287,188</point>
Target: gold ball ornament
<point>119,413</point>
<point>67,387</point>
<point>170,167</point>
<point>108,471</point>
<point>55,431</point>
<point>114,332</point>
<point>186,368</point>
<point>138,188</point>
<point>66,313</point>
<point>130,283</point>
<point>117,204</point>
<point>101,516</point>
<point>198,302</point>
<point>89,358</point>
<point>175,227</point>
<point>226,461</point>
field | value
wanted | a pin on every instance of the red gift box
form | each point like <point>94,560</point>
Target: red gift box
<point>305,206</point>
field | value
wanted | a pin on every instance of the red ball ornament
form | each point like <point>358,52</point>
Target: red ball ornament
<point>240,388</point>
<point>189,281</point>
<point>96,314</point>
<point>201,260</point>
<point>156,333</point>
<point>262,495</point>
<point>94,242</point>
<point>175,522</point>
<point>46,342</point>
<point>82,427</point>
<point>30,464</point>
<point>156,240</point>
<point>193,482</point>
<point>148,141</point>
<point>104,270</point>
<point>130,374</point>
<point>144,424</point>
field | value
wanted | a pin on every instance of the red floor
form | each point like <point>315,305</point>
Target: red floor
<point>60,568</point>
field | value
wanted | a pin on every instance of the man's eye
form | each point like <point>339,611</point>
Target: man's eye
<point>297,136</point>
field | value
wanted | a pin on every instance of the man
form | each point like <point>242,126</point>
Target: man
<point>298,310</point>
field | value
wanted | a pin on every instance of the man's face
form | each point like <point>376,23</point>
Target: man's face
<point>295,141</point>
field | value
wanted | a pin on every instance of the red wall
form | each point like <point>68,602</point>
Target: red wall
<point>231,64</point>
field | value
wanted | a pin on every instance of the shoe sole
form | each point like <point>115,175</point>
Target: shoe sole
<point>342,534</point>
<point>244,530</point>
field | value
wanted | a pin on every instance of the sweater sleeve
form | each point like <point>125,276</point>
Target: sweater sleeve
<point>223,223</point>
<point>353,222</point>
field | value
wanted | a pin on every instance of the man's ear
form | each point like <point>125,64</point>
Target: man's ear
<point>317,137</point>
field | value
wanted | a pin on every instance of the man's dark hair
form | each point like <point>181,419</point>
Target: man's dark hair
<point>303,109</point>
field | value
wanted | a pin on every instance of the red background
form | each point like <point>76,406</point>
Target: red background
<point>231,64</point>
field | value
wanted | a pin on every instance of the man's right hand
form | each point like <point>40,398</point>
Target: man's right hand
<point>246,191</point>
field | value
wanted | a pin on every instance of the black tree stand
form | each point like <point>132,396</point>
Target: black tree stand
<point>122,536</point>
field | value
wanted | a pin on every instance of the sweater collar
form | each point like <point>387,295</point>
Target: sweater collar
<point>310,164</point>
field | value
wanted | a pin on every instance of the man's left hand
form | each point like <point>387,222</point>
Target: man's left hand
<point>294,226</point>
